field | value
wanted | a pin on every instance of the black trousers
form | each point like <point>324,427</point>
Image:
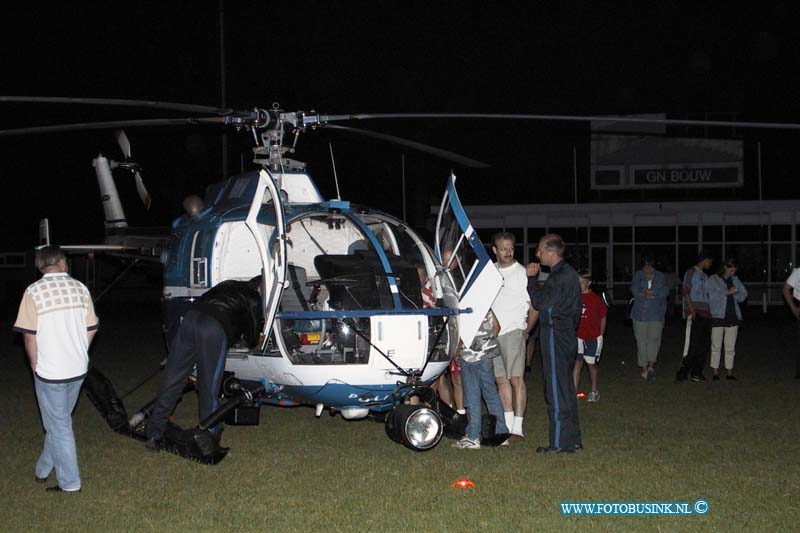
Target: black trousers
<point>699,346</point>
<point>559,349</point>
<point>200,340</point>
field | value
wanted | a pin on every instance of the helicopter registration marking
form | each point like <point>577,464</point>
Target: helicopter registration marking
<point>368,399</point>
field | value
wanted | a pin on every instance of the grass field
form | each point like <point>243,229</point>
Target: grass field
<point>734,444</point>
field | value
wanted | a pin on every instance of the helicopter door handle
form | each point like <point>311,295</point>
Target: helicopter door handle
<point>419,330</point>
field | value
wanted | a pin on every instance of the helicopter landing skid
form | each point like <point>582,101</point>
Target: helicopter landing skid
<point>197,444</point>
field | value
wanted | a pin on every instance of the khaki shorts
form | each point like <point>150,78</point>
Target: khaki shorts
<point>511,361</point>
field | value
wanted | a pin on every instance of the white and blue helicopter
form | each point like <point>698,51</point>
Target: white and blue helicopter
<point>345,325</point>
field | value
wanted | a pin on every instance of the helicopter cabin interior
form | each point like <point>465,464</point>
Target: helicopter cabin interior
<point>332,265</point>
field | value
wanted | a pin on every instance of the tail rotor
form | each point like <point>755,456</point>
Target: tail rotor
<point>125,146</point>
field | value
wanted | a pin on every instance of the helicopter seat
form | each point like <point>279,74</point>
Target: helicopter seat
<point>296,298</point>
<point>296,294</point>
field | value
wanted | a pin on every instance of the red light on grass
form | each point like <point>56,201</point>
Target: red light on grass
<point>581,395</point>
<point>463,484</point>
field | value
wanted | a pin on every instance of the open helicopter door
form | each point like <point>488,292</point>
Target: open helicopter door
<point>464,259</point>
<point>273,256</point>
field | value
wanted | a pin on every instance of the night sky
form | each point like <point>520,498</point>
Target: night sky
<point>362,57</point>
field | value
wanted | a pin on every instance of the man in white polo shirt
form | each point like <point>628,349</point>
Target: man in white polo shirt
<point>513,310</point>
<point>57,320</point>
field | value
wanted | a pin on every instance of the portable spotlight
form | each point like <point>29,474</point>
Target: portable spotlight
<point>415,426</point>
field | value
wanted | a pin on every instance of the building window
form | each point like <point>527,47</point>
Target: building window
<point>712,233</point>
<point>781,232</point>
<point>623,234</point>
<point>742,233</point>
<point>687,234</point>
<point>518,233</point>
<point>534,234</point>
<point>599,234</point>
<point>655,234</point>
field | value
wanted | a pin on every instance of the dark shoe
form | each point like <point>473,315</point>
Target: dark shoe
<point>715,377</point>
<point>41,479</point>
<point>153,445</point>
<point>680,377</point>
<point>571,449</point>
<point>514,438</point>
<point>698,378</point>
<point>731,377</point>
<point>56,488</point>
<point>546,449</point>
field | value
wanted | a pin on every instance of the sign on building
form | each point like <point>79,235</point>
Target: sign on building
<point>646,162</point>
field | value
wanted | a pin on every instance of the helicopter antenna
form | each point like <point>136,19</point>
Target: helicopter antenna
<point>335,177</point>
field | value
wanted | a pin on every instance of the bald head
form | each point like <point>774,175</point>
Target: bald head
<point>551,249</point>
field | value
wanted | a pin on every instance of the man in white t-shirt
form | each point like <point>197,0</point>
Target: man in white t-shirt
<point>57,320</point>
<point>514,313</point>
<point>791,293</point>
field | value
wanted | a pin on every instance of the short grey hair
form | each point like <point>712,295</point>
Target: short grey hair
<point>49,256</point>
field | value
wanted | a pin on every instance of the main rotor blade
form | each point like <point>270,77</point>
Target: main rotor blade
<point>87,126</point>
<point>149,104</point>
<point>438,152</point>
<point>569,118</point>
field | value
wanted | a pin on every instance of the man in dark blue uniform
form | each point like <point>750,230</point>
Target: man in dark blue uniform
<point>558,304</point>
<point>217,320</point>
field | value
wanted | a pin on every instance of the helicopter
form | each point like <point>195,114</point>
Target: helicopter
<point>345,327</point>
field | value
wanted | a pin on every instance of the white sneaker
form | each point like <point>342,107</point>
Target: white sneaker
<point>467,444</point>
<point>594,396</point>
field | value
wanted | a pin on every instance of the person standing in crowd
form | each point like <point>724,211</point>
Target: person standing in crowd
<point>512,307</point>
<point>698,320</point>
<point>591,328</point>
<point>57,320</point>
<point>558,305</point>
<point>791,293</point>
<point>725,293</point>
<point>478,381</point>
<point>650,293</point>
<point>228,312</point>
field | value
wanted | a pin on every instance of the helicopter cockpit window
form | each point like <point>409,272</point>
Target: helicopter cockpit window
<point>403,249</point>
<point>239,187</point>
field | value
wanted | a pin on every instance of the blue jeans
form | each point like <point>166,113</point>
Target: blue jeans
<point>56,402</point>
<point>477,379</point>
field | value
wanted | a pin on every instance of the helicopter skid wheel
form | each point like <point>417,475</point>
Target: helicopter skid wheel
<point>417,427</point>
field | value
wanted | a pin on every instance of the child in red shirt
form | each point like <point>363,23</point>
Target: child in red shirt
<point>591,327</point>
